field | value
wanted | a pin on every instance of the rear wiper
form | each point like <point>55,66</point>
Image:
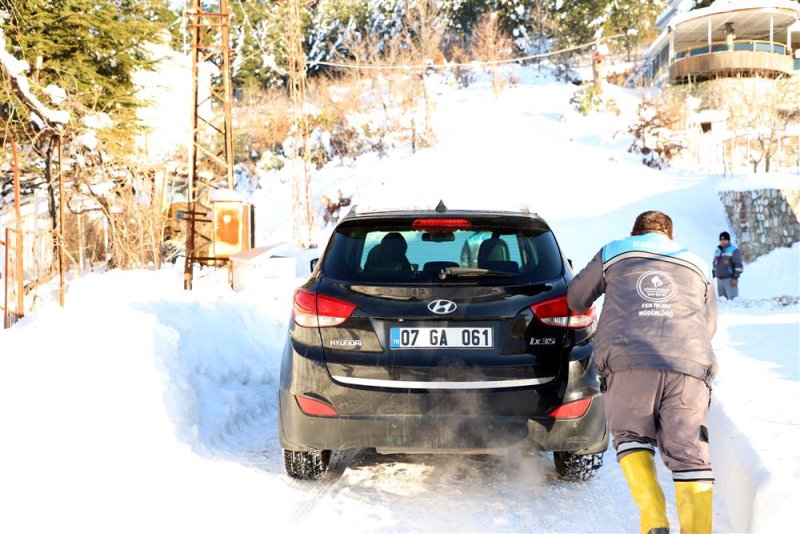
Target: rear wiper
<point>472,272</point>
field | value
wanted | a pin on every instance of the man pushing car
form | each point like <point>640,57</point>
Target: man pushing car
<point>653,352</point>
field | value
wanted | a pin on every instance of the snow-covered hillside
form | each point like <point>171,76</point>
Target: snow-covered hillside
<point>143,407</point>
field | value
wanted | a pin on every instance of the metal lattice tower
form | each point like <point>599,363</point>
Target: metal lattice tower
<point>211,165</point>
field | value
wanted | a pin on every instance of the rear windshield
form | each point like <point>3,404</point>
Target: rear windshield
<point>378,251</point>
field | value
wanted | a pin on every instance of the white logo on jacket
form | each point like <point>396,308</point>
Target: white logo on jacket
<point>656,286</point>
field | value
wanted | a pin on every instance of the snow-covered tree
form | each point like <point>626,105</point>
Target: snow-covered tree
<point>387,19</point>
<point>259,44</point>
<point>515,18</point>
<point>580,20</point>
<point>333,24</point>
<point>89,47</point>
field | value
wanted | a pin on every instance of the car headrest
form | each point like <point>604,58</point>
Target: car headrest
<point>393,246</point>
<point>492,249</point>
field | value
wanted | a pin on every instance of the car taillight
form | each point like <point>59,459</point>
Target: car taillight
<point>314,310</point>
<point>311,406</point>
<point>556,312</point>
<point>571,410</point>
<point>441,224</point>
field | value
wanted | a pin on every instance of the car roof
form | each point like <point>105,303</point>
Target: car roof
<point>357,213</point>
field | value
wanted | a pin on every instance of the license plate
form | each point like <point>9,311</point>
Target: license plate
<point>426,338</point>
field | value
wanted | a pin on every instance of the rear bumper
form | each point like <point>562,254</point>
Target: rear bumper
<point>405,420</point>
<point>299,431</point>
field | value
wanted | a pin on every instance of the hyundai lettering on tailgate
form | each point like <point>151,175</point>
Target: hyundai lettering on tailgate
<point>425,338</point>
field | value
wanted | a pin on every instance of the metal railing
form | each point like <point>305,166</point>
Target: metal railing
<point>736,46</point>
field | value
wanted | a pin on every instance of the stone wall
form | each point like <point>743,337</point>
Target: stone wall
<point>763,219</point>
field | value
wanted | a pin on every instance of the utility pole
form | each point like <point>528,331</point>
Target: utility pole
<point>302,198</point>
<point>598,61</point>
<point>211,165</point>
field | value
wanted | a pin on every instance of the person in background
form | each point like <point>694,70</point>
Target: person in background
<point>653,353</point>
<point>728,267</point>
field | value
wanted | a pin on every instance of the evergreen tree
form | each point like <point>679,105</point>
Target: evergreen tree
<point>462,16</point>
<point>579,20</point>
<point>333,24</point>
<point>88,47</point>
<point>258,36</point>
<point>515,17</point>
<point>387,19</point>
<point>516,20</point>
<point>635,20</point>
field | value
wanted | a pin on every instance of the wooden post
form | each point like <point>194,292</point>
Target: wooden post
<point>18,240</point>
<point>302,198</point>
<point>60,225</point>
<point>5,279</point>
<point>597,64</point>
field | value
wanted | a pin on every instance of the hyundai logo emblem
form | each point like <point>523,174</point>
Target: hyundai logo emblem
<point>442,306</point>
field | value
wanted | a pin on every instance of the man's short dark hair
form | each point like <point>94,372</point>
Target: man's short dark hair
<point>652,221</point>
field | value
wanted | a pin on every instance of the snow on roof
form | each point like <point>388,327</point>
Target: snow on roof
<point>257,253</point>
<point>454,203</point>
<point>724,6</point>
<point>226,195</point>
<point>709,115</point>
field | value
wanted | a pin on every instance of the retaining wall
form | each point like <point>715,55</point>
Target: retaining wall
<point>763,219</point>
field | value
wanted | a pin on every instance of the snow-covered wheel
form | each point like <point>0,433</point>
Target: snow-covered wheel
<point>306,465</point>
<point>575,467</point>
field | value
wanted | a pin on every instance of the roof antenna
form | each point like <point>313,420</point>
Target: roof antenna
<point>441,208</point>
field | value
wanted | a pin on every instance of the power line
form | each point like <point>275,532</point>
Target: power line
<point>357,66</point>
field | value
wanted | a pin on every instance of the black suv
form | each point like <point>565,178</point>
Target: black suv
<point>432,331</point>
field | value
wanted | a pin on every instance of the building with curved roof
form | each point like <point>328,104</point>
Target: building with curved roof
<point>729,38</point>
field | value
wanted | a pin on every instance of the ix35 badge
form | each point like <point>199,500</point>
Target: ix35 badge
<point>442,306</point>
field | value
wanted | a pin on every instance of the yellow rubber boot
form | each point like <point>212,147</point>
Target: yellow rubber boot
<point>694,506</point>
<point>640,471</point>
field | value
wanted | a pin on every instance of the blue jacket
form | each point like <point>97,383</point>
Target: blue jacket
<point>728,262</point>
<point>659,311</point>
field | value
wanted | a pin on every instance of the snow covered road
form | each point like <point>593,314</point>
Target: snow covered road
<point>141,407</point>
<point>95,395</point>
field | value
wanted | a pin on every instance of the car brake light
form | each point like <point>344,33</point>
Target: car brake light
<point>311,406</point>
<point>571,410</point>
<point>556,312</point>
<point>441,224</point>
<point>314,310</point>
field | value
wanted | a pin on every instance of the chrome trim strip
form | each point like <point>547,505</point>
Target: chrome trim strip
<point>408,384</point>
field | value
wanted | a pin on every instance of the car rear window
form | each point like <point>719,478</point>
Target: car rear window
<point>395,252</point>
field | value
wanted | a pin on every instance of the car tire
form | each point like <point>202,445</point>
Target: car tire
<point>577,467</point>
<point>306,465</point>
